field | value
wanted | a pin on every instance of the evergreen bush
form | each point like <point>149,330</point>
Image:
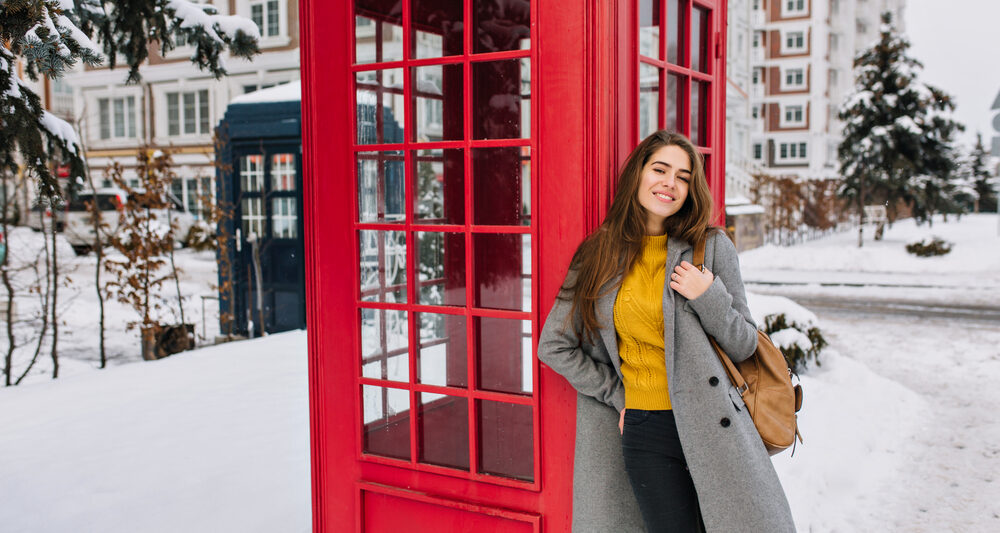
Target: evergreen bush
<point>937,246</point>
<point>798,343</point>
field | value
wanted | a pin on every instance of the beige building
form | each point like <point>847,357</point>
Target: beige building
<point>177,105</point>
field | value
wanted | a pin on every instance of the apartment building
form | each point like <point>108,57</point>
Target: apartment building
<point>802,54</point>
<point>176,105</point>
<point>739,164</point>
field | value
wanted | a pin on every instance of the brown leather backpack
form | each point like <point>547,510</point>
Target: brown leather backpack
<point>764,381</point>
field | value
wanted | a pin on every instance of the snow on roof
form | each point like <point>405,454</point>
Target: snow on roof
<point>743,209</point>
<point>288,92</point>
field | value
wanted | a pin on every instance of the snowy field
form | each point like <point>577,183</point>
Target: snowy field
<point>899,424</point>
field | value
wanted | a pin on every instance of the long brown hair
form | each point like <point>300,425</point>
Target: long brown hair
<point>613,247</point>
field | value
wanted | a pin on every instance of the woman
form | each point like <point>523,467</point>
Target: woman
<point>630,332</point>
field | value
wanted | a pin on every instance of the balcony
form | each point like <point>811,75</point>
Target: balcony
<point>757,92</point>
<point>757,55</point>
<point>758,18</point>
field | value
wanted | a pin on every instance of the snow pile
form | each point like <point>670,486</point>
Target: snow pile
<point>286,92</point>
<point>211,440</point>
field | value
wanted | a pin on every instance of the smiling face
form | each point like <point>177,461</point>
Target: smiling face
<point>663,186</point>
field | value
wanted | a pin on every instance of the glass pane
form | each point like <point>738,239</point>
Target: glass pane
<point>441,268</point>
<point>272,18</point>
<point>501,93</point>
<point>283,172</point>
<point>173,114</point>
<point>506,440</point>
<point>437,99</point>
<point>699,39</point>
<point>440,196</point>
<point>252,215</point>
<point>503,271</point>
<point>381,187</point>
<point>252,173</point>
<point>119,117</point>
<point>378,31</point>
<point>649,99</point>
<point>383,266</point>
<point>674,85</point>
<point>699,113</point>
<point>105,118</point>
<point>649,28</point>
<point>675,30</point>
<point>437,28</point>
<point>443,356</point>
<point>189,113</point>
<point>501,26</point>
<point>384,344</point>
<point>387,421</point>
<point>380,106</point>
<point>502,185</point>
<point>284,218</point>
<point>444,430</point>
<point>503,356</point>
<point>203,119</point>
<point>130,116</point>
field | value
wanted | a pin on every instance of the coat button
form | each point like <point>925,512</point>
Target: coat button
<point>713,381</point>
<point>724,422</point>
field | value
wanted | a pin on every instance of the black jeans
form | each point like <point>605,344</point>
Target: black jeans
<point>658,473</point>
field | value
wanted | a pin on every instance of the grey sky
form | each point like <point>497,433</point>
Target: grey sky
<point>957,41</point>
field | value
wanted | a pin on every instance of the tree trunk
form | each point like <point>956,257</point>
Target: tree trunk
<point>55,291</point>
<point>95,220</point>
<point>8,360</point>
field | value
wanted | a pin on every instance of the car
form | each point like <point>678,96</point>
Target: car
<point>80,228</point>
<point>43,215</point>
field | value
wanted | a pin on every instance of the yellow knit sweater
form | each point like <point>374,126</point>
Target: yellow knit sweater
<point>639,323</point>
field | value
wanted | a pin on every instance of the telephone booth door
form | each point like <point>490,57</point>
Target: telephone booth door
<point>455,153</point>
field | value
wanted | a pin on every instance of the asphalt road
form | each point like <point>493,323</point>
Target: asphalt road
<point>851,305</point>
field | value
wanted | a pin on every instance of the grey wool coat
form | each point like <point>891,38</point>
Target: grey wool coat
<point>738,489</point>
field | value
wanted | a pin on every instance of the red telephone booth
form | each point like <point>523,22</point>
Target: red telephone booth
<point>456,152</point>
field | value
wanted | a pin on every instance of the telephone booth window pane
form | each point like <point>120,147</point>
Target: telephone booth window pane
<point>649,28</point>
<point>444,430</point>
<point>502,185</point>
<point>437,28</point>
<point>283,172</point>
<point>383,266</point>
<point>284,218</point>
<point>378,33</point>
<point>437,99</point>
<point>440,188</point>
<point>506,439</point>
<point>699,39</point>
<point>379,95</point>
<point>674,83</point>
<point>503,357</point>
<point>649,99</point>
<point>381,187</point>
<point>675,30</point>
<point>442,359</point>
<point>699,112</point>
<point>501,98</point>
<point>441,268</point>
<point>503,270</point>
<point>386,421</point>
<point>252,173</point>
<point>253,217</point>
<point>499,29</point>
<point>384,344</point>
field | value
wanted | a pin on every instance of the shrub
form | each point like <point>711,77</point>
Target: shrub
<point>200,237</point>
<point>798,343</point>
<point>937,246</point>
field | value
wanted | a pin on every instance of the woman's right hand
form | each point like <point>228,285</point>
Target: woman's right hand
<point>621,422</point>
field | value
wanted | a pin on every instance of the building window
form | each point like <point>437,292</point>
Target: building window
<point>794,7</point>
<point>794,77</point>
<point>253,88</point>
<point>266,15</point>
<point>117,117</point>
<point>793,114</point>
<point>758,151</point>
<point>834,77</point>
<point>755,111</point>
<point>756,39</point>
<point>834,42</point>
<point>756,5</point>
<point>283,172</point>
<point>795,40</point>
<point>792,151</point>
<point>187,113</point>
<point>284,220</point>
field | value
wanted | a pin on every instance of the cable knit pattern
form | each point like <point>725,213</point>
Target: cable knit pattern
<point>638,317</point>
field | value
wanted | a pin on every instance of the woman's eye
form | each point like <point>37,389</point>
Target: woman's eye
<point>685,179</point>
<point>658,171</point>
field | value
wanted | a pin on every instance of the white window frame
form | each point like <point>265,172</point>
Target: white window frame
<point>784,120</point>
<point>186,50</point>
<point>181,114</point>
<point>797,8</point>
<point>93,111</point>
<point>161,130</point>
<point>785,71</point>
<point>757,151</point>
<point>245,8</point>
<point>786,35</point>
<point>790,152</point>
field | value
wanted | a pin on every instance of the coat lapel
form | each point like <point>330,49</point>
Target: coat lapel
<point>606,314</point>
<point>675,248</point>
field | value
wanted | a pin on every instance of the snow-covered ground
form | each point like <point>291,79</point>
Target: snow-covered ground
<point>898,422</point>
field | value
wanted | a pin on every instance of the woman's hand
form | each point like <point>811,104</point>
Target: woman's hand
<point>621,422</point>
<point>690,282</point>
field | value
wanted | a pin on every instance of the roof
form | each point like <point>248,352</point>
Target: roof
<point>287,92</point>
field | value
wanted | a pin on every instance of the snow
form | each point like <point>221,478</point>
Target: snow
<point>898,423</point>
<point>195,16</point>
<point>286,92</point>
<point>744,209</point>
<point>61,129</point>
<point>81,38</point>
